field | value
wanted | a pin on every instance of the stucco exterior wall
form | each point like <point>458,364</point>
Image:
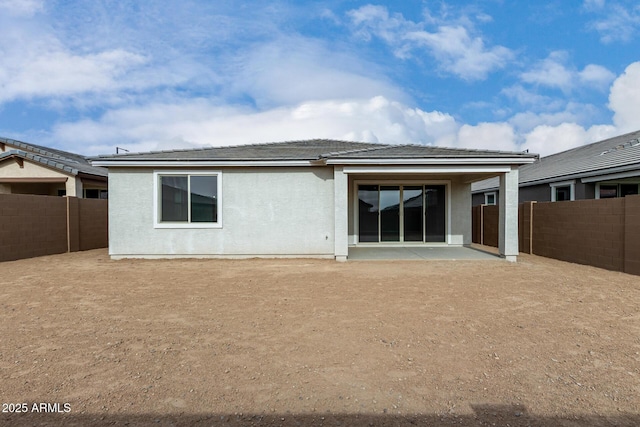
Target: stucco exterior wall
<point>460,213</point>
<point>265,212</point>
<point>11,169</point>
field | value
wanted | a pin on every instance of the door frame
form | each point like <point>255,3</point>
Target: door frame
<point>400,182</point>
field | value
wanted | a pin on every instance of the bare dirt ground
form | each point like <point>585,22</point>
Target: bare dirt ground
<point>313,342</point>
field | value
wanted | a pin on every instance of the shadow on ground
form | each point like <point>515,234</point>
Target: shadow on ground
<point>484,415</point>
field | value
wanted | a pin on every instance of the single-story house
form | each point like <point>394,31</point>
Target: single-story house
<point>604,169</point>
<point>34,169</point>
<point>312,198</point>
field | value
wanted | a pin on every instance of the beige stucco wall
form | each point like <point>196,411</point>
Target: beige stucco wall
<point>265,212</point>
<point>11,169</point>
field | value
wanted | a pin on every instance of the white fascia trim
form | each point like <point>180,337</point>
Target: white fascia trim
<point>622,175</point>
<point>201,163</point>
<point>425,169</point>
<point>562,183</point>
<point>435,161</point>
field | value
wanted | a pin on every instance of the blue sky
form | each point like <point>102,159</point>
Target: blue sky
<point>87,76</point>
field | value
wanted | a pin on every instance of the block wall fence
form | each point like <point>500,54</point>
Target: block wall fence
<point>603,233</point>
<point>33,225</point>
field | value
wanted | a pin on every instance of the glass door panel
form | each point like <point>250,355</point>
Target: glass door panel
<point>368,201</point>
<point>434,223</point>
<point>390,214</point>
<point>412,210</point>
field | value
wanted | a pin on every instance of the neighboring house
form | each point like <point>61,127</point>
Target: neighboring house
<point>301,198</point>
<point>605,169</point>
<point>33,169</point>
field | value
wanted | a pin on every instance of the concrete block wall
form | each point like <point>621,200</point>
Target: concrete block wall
<point>525,224</point>
<point>93,224</point>
<point>602,233</point>
<point>587,232</point>
<point>490,225</point>
<point>632,235</point>
<point>34,225</point>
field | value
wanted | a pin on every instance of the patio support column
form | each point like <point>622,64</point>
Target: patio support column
<point>508,222</point>
<point>341,201</point>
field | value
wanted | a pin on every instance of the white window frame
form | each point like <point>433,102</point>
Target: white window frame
<point>572,189</point>
<point>157,188</point>
<point>495,198</point>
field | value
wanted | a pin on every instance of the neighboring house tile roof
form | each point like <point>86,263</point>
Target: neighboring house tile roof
<point>64,161</point>
<point>618,154</point>
<point>316,149</point>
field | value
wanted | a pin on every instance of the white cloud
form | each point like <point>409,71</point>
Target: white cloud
<point>619,23</point>
<point>526,97</point>
<point>545,139</point>
<point>291,70</point>
<point>550,72</point>
<point>199,122</point>
<point>452,45</point>
<point>61,73</point>
<point>37,64</point>
<point>596,75</point>
<point>22,7</point>
<point>202,123</point>
<point>461,54</point>
<point>572,113</point>
<point>624,99</point>
<point>491,136</point>
<point>554,72</point>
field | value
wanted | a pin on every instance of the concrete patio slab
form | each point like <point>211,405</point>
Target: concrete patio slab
<point>417,253</point>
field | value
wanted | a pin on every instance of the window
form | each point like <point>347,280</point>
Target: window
<point>490,198</point>
<point>188,200</point>
<point>608,191</point>
<point>561,191</point>
<point>91,193</point>
<point>628,189</point>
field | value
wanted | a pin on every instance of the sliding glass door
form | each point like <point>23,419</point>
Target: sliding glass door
<point>412,209</point>
<point>434,215</point>
<point>390,214</point>
<point>368,209</point>
<point>402,213</point>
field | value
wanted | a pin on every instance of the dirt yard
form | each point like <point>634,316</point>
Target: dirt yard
<point>90,341</point>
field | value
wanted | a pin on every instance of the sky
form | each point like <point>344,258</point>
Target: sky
<point>88,76</point>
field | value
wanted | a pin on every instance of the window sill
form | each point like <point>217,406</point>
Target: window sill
<point>193,225</point>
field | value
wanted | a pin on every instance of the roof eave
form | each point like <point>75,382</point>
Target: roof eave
<point>433,161</point>
<point>581,175</point>
<point>201,163</point>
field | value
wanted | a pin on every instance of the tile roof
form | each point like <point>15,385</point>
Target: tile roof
<point>608,156</point>
<point>64,161</point>
<point>315,149</point>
